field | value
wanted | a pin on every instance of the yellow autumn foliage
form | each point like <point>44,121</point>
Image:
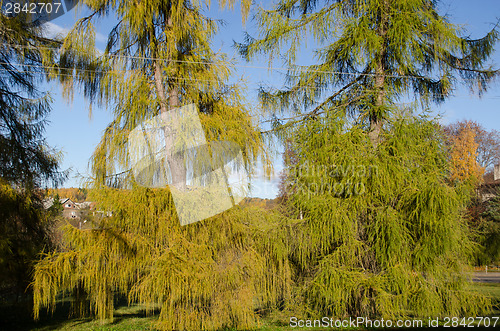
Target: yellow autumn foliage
<point>463,156</point>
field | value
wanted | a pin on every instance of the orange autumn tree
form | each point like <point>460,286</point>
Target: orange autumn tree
<point>463,154</point>
<point>74,193</point>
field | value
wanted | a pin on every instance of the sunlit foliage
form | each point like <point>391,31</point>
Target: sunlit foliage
<point>464,155</point>
<point>158,57</point>
<point>73,193</point>
<point>206,275</point>
<point>382,234</point>
<point>369,53</point>
<point>488,141</point>
<point>363,231</point>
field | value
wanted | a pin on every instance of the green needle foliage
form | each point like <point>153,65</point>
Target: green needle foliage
<point>26,162</point>
<point>157,58</point>
<point>207,275</point>
<point>382,234</point>
<point>365,234</point>
<point>370,53</point>
<point>25,159</point>
<point>488,227</point>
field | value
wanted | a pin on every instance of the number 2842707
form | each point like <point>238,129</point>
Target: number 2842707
<point>32,8</point>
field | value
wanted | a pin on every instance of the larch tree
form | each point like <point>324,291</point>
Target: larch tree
<point>379,230</point>
<point>370,54</point>
<point>208,275</point>
<point>380,234</point>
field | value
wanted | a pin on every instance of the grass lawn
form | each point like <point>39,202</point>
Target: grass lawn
<point>125,318</point>
<point>491,290</point>
<point>135,317</point>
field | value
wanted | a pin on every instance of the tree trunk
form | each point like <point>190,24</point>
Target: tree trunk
<point>175,161</point>
<point>375,120</point>
<point>380,71</point>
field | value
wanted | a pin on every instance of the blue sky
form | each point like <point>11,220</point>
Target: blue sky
<point>73,132</point>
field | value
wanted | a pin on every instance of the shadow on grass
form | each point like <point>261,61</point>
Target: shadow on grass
<point>20,316</point>
<point>123,312</point>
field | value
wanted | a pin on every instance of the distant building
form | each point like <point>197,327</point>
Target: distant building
<point>491,186</point>
<point>47,203</point>
<point>72,210</point>
<point>79,213</point>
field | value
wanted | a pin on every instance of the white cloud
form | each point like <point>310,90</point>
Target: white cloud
<point>52,30</point>
<point>99,37</point>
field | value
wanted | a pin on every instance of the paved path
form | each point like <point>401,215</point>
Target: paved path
<point>486,277</point>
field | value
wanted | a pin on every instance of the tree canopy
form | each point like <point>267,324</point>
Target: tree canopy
<point>361,233</point>
<point>488,141</point>
<point>464,155</point>
<point>370,54</point>
<point>202,276</point>
<point>157,58</point>
<point>379,233</point>
<point>25,159</point>
<point>366,214</point>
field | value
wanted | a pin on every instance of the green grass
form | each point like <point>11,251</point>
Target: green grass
<point>491,290</point>
<point>125,318</point>
<point>135,318</point>
<point>19,317</point>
